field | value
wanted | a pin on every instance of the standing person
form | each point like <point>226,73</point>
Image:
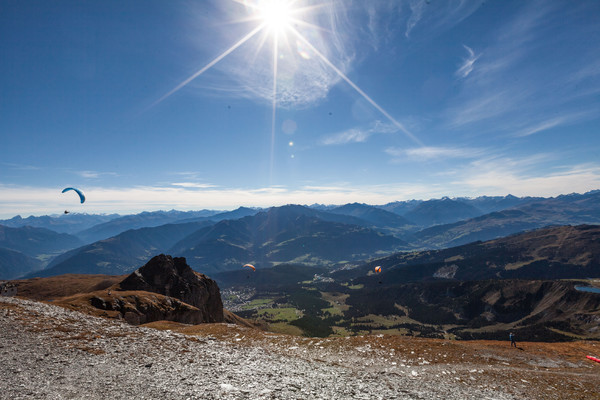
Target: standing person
<point>513,341</point>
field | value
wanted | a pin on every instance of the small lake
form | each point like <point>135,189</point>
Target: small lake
<point>587,289</point>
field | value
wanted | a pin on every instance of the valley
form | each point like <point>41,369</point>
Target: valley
<point>315,267</point>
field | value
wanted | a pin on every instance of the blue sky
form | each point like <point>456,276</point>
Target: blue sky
<point>149,105</point>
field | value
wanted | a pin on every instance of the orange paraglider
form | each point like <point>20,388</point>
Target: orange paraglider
<point>378,269</point>
<point>250,266</point>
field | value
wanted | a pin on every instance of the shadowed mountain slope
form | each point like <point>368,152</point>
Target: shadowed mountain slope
<point>14,264</point>
<point>142,220</point>
<point>35,242</point>
<point>443,211</point>
<point>120,254</point>
<point>376,216</point>
<point>283,234</point>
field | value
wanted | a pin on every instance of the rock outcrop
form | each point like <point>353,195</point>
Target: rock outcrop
<point>166,288</point>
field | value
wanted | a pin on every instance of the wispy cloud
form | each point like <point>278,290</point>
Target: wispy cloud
<point>437,16</point>
<point>378,26</point>
<point>467,66</point>
<point>94,174</point>
<point>428,153</point>
<point>350,136</point>
<point>505,85</point>
<point>21,167</point>
<point>499,178</point>
<point>542,126</point>
<point>193,185</point>
<point>485,106</point>
<point>358,135</point>
<point>38,201</point>
<point>530,175</point>
<point>567,118</point>
<point>587,72</point>
<point>416,7</point>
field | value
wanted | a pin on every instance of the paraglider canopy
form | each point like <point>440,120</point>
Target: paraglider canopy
<point>81,196</point>
<point>250,266</point>
<point>378,269</point>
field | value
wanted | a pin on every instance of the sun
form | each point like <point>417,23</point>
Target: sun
<point>287,23</point>
<point>276,15</point>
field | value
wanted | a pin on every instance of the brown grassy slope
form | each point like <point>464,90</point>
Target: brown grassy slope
<point>77,291</point>
<point>135,306</point>
<point>52,288</point>
<point>577,245</point>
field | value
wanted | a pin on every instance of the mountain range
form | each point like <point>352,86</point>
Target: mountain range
<point>572,209</point>
<point>317,235</point>
<point>64,223</point>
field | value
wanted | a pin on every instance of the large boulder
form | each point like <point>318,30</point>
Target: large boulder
<point>172,277</point>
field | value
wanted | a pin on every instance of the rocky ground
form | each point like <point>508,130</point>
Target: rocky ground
<point>47,352</point>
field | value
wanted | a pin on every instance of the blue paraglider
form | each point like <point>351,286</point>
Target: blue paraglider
<point>81,196</point>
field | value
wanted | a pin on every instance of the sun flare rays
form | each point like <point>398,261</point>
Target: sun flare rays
<point>287,22</point>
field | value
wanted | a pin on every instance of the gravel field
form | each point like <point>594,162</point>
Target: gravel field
<point>48,352</point>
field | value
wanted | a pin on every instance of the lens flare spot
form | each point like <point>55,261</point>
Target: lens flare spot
<point>302,50</point>
<point>291,144</point>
